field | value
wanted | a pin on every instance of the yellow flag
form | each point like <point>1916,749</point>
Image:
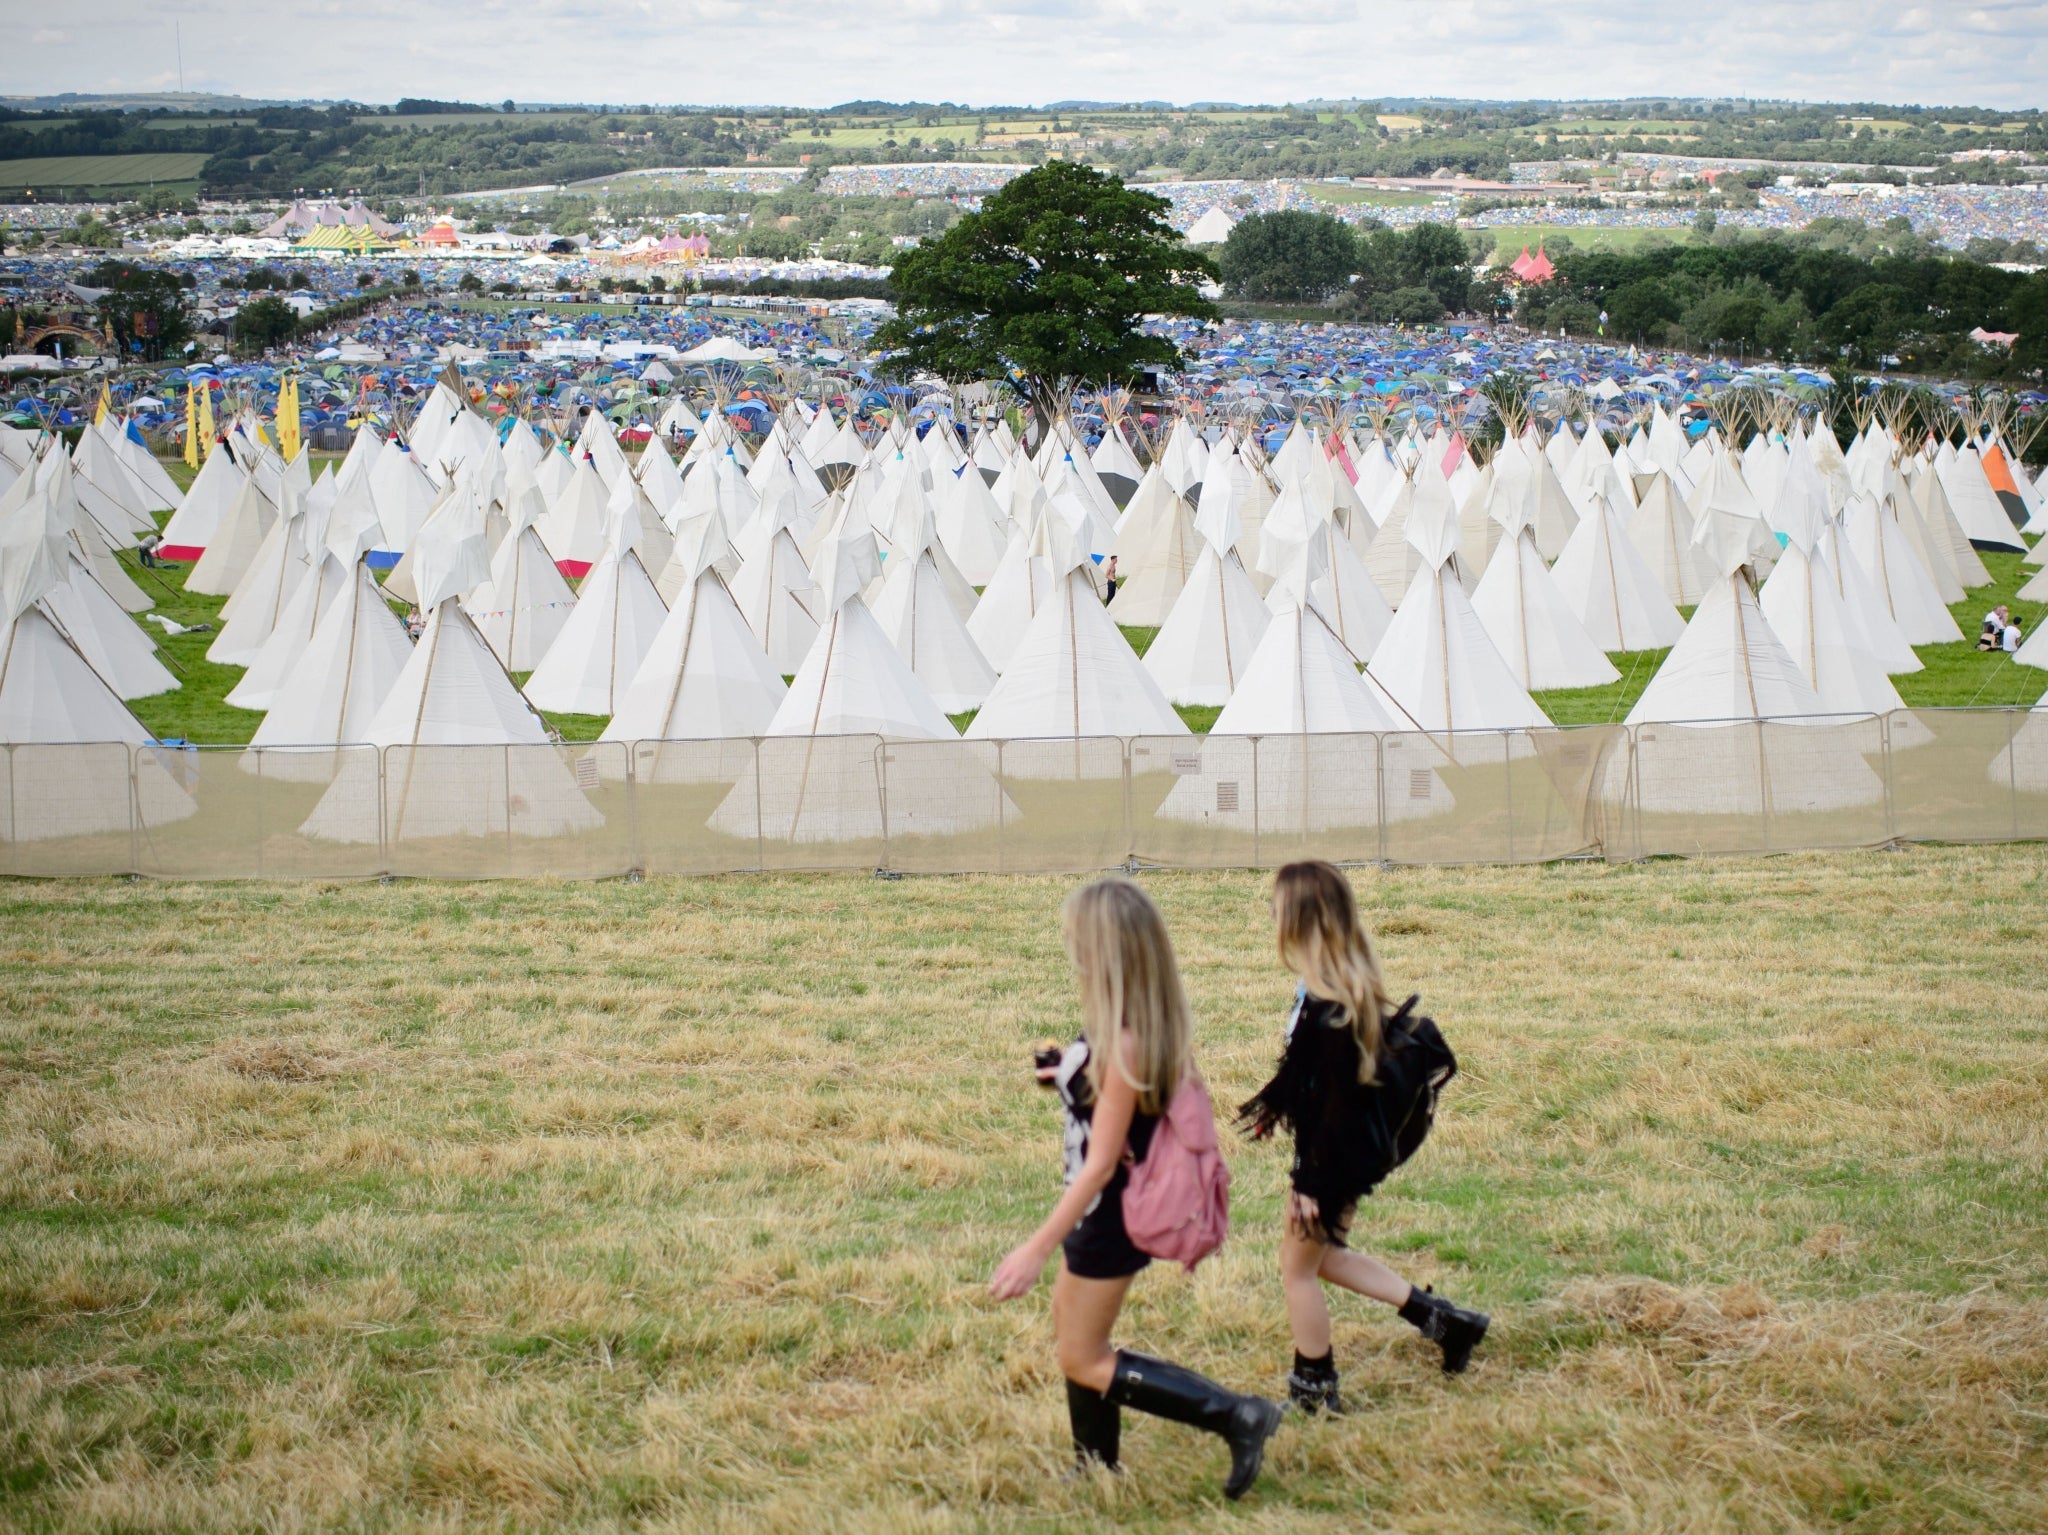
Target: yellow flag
<point>99,416</point>
<point>206,444</point>
<point>288,418</point>
<point>191,426</point>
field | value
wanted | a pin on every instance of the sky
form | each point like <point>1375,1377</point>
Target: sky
<point>813,53</point>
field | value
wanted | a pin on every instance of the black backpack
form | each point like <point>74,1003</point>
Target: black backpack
<point>1415,1062</point>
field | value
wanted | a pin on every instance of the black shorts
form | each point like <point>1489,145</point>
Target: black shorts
<point>1100,1247</point>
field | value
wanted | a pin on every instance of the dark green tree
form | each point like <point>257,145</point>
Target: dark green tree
<point>1049,285</point>
<point>2027,310</point>
<point>265,322</point>
<point>1640,310</point>
<point>1436,257</point>
<point>1288,258</point>
<point>145,307</point>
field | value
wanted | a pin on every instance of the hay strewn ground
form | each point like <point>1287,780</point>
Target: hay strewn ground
<point>671,1206</point>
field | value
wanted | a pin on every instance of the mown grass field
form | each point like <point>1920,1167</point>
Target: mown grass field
<point>671,1206</point>
<point>52,171</point>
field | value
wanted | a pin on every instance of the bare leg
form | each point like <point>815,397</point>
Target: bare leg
<point>1084,1311</point>
<point>1365,1276</point>
<point>1308,1314</point>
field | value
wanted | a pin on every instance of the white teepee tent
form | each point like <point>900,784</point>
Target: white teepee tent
<point>452,699</point>
<point>1216,622</point>
<point>1531,624</point>
<point>922,618</point>
<point>1436,661</point>
<point>296,625</point>
<point>1072,673</point>
<point>1610,589</point>
<point>336,687</point>
<point>617,614</point>
<point>705,677</point>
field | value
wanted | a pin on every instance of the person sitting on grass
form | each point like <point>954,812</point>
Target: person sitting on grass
<point>1115,1082</point>
<point>2009,639</point>
<point>1993,636</point>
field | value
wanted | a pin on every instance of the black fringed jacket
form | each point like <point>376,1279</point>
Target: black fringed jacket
<point>1348,1134</point>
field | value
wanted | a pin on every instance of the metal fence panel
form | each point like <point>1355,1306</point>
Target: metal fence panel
<point>250,808</point>
<point>1757,786</point>
<point>75,810</point>
<point>1956,775</point>
<point>678,787</point>
<point>1234,801</point>
<point>814,802</point>
<point>860,802</point>
<point>1064,805</point>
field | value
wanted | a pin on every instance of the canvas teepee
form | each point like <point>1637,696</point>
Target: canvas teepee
<point>335,688</point>
<point>1436,661</point>
<point>1216,622</point>
<point>919,610</point>
<point>607,635</point>
<point>705,677</point>
<point>464,755</point>
<point>1610,589</point>
<point>1072,673</point>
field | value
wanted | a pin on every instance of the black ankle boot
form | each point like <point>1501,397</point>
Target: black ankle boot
<point>1451,1327</point>
<point>1312,1386</point>
<point>1168,1391</point>
<point>1097,1423</point>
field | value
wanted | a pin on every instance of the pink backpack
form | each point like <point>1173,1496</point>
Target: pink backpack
<point>1177,1202</point>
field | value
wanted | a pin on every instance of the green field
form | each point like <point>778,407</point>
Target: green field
<point>1378,197</point>
<point>672,1205</point>
<point>64,171</point>
<point>1626,238</point>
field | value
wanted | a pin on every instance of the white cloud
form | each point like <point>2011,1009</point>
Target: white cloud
<point>999,52</point>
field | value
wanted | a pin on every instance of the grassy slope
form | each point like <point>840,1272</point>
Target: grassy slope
<point>1955,676</point>
<point>574,1207</point>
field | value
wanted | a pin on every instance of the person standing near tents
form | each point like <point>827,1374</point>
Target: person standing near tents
<point>1357,1086</point>
<point>1116,1082</point>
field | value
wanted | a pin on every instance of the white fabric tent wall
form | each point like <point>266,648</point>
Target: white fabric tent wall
<point>1532,625</point>
<point>232,548</point>
<point>521,610</point>
<point>1207,640</point>
<point>1610,589</point>
<point>704,677</point>
<point>452,692</point>
<point>1881,547</point>
<point>334,690</point>
<point>293,633</point>
<point>113,644</point>
<point>1073,674</point>
<point>617,614</point>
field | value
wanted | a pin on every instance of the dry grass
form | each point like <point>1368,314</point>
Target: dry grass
<point>670,1206</point>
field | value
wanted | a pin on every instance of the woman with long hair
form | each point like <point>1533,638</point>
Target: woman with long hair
<point>1115,1082</point>
<point>1324,1091</point>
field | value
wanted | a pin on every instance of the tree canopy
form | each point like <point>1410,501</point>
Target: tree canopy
<point>1809,295</point>
<point>145,307</point>
<point>1048,284</point>
<point>1289,257</point>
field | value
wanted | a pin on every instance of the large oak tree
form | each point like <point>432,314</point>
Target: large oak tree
<point>1048,286</point>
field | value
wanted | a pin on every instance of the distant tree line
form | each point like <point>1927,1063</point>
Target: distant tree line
<point>1793,300</point>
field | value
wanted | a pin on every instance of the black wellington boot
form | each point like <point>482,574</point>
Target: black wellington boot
<point>1451,1327</point>
<point>1312,1386</point>
<point>1165,1390</point>
<point>1098,1424</point>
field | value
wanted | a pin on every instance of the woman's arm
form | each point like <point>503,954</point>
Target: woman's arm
<point>1111,1128</point>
